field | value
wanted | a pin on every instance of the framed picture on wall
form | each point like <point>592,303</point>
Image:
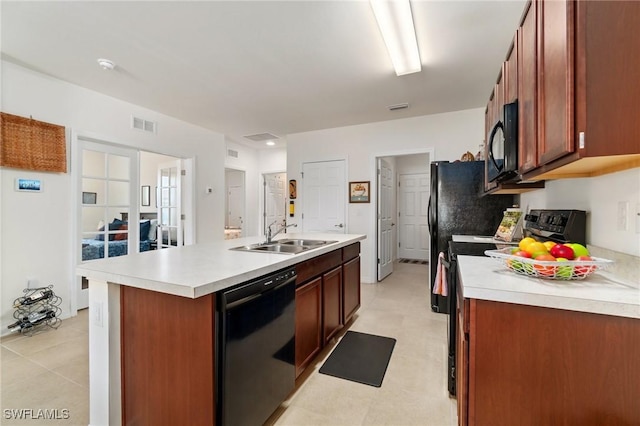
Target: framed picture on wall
<point>89,198</point>
<point>359,192</point>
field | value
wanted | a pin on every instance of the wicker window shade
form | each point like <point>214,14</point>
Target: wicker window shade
<point>32,145</point>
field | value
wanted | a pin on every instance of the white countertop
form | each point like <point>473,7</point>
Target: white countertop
<point>479,239</point>
<point>600,293</point>
<point>200,269</point>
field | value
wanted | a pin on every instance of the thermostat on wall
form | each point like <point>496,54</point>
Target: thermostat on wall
<point>29,185</point>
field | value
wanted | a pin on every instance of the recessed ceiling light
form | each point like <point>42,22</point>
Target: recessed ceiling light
<point>271,143</point>
<point>106,64</point>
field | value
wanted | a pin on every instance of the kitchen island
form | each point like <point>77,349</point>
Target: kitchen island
<point>152,322</point>
<point>535,351</point>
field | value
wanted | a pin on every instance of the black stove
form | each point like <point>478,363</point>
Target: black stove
<point>471,249</point>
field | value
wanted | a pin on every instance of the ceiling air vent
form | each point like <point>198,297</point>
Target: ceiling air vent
<point>259,137</point>
<point>398,106</point>
<point>232,153</point>
<point>144,125</point>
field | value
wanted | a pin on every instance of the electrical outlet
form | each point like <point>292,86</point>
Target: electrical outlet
<point>623,213</point>
<point>98,314</point>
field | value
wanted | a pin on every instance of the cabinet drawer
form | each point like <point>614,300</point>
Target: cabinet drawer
<point>350,252</point>
<point>317,266</point>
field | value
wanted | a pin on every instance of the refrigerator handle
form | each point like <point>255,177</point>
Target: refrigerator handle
<point>429,221</point>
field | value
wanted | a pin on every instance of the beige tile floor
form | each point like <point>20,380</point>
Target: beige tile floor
<point>51,370</point>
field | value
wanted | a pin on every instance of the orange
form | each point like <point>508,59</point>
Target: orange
<point>545,270</point>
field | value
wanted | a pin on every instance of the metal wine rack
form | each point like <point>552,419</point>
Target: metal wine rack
<point>37,308</point>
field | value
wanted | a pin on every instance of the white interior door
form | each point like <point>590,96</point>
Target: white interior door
<point>413,226</point>
<point>169,200</point>
<point>105,181</point>
<point>325,193</point>
<point>274,198</point>
<point>235,202</point>
<point>385,219</point>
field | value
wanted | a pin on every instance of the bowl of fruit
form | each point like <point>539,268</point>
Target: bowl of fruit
<point>549,260</point>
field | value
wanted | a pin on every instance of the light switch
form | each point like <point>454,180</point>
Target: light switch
<point>98,314</point>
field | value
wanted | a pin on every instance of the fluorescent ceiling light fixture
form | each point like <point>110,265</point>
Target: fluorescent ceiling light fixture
<point>396,25</point>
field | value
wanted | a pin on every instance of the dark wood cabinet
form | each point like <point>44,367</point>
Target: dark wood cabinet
<point>531,365</point>
<point>351,289</point>
<point>555,80</point>
<point>327,297</point>
<point>308,323</point>
<point>332,303</point>
<point>462,359</point>
<point>527,92</point>
<point>577,90</point>
<point>163,383</point>
<point>587,89</point>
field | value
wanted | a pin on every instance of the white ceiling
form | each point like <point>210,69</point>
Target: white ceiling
<point>246,67</point>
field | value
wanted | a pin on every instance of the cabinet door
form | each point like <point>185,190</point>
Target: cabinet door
<point>462,359</point>
<point>168,358</point>
<point>555,79</point>
<point>351,289</point>
<point>462,372</point>
<point>332,303</point>
<point>511,73</point>
<point>308,323</point>
<point>527,100</point>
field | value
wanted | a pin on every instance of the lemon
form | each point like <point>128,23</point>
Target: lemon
<point>536,247</point>
<point>525,242</point>
<point>549,244</point>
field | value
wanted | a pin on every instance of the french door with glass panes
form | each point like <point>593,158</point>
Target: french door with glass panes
<point>169,198</point>
<point>107,204</point>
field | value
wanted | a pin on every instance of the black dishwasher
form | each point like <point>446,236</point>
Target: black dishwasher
<point>256,348</point>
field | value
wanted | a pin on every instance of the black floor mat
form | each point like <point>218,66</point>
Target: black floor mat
<point>360,357</point>
<point>413,261</point>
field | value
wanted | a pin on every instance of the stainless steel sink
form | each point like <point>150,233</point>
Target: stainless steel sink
<point>313,243</point>
<point>289,246</point>
<point>281,248</point>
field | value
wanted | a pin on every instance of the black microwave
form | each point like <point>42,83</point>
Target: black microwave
<point>502,152</point>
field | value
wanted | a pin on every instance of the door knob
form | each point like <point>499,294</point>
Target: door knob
<point>393,224</point>
<point>339,226</point>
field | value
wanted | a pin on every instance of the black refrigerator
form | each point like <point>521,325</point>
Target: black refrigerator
<point>457,206</point>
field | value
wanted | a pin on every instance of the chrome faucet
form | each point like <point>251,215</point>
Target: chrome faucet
<point>267,232</point>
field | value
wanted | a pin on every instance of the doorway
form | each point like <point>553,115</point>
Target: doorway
<point>402,194</point>
<point>234,203</point>
<point>275,199</point>
<point>113,187</point>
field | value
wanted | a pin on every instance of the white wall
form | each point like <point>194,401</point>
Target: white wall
<point>449,135</point>
<point>599,196</point>
<point>36,230</point>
